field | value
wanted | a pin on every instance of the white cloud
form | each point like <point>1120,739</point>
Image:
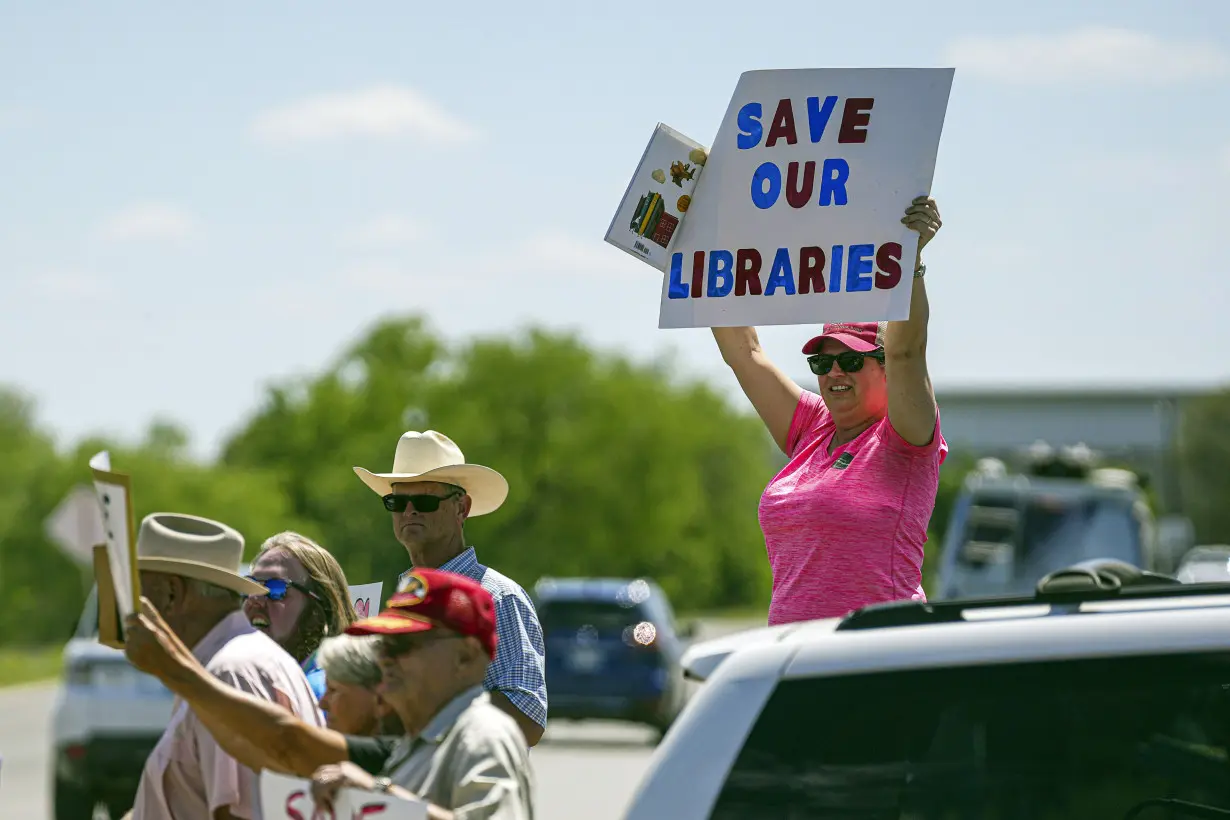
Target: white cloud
<point>12,119</point>
<point>151,221</point>
<point>1094,54</point>
<point>383,112</point>
<point>389,230</point>
<point>546,254</point>
<point>69,285</point>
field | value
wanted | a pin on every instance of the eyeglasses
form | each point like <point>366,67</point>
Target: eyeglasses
<point>398,646</point>
<point>396,502</point>
<point>278,587</point>
<point>850,361</point>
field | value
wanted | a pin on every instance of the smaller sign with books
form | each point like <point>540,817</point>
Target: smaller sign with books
<point>658,196</point>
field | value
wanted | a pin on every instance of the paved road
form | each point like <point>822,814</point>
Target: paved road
<point>583,769</point>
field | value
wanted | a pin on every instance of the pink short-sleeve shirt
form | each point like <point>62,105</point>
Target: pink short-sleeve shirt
<point>846,530</point>
<point>188,775</point>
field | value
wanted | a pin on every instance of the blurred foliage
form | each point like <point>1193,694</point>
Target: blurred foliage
<point>1204,464</point>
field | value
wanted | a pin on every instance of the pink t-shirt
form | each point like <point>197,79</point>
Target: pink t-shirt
<point>846,530</point>
<point>188,775</point>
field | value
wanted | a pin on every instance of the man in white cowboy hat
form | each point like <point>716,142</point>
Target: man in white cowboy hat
<point>190,573</point>
<point>430,492</point>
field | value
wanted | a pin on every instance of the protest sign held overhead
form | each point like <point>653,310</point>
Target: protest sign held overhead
<point>658,197</point>
<point>114,492</point>
<point>797,218</point>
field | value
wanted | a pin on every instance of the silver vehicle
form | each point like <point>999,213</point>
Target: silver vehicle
<point>1090,698</point>
<point>106,720</point>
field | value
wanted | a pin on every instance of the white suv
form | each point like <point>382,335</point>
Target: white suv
<point>106,720</point>
<point>1106,694</point>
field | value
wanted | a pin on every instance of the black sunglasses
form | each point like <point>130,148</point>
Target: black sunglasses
<point>850,361</point>
<point>278,587</point>
<point>396,502</point>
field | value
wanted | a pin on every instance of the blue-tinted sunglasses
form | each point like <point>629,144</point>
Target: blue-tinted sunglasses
<point>278,587</point>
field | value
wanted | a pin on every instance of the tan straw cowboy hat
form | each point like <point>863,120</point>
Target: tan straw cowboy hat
<point>433,456</point>
<point>193,547</point>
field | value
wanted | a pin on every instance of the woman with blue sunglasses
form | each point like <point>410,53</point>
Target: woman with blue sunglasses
<point>308,599</point>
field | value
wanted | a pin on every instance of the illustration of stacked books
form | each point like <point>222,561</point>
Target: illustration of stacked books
<point>651,220</point>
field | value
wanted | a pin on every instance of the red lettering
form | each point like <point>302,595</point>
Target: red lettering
<point>369,809</point>
<point>698,273</point>
<point>811,269</point>
<point>783,125</point>
<point>293,813</point>
<point>888,260</point>
<point>854,119</point>
<point>747,272</point>
<point>797,195</point>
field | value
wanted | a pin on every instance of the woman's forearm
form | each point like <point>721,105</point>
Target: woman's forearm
<point>908,338</point>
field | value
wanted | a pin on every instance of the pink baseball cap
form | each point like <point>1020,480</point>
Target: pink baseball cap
<point>862,337</point>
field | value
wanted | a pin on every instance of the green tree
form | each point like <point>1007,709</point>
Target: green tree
<point>1204,453</point>
<point>615,468</point>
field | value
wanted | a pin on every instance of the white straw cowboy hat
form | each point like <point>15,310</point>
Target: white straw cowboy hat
<point>433,456</point>
<point>194,547</point>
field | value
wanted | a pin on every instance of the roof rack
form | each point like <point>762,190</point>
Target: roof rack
<point>1098,580</point>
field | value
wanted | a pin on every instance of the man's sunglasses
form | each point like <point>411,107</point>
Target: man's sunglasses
<point>278,587</point>
<point>392,647</point>
<point>850,361</point>
<point>396,502</point>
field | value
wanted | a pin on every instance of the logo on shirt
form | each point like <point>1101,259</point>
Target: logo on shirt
<point>411,588</point>
<point>843,461</point>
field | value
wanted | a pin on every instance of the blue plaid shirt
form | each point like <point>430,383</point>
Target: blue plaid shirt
<point>519,669</point>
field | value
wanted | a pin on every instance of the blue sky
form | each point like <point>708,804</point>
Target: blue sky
<point>198,200</point>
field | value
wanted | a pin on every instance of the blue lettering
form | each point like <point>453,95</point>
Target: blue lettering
<point>858,268</point>
<point>677,289</point>
<point>781,275</point>
<point>750,129</point>
<point>818,115</point>
<point>721,278</point>
<point>770,173</point>
<point>835,270</point>
<point>833,182</point>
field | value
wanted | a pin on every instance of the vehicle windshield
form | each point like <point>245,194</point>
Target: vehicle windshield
<point>1084,739</point>
<point>1007,549</point>
<point>605,617</point>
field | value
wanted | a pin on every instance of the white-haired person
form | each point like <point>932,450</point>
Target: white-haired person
<point>351,664</point>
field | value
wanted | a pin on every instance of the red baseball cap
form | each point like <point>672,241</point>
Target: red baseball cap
<point>862,337</point>
<point>432,599</point>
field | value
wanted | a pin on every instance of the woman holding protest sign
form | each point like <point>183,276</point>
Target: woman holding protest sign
<point>846,519</point>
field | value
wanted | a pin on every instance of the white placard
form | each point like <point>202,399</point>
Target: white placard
<point>114,493</point>
<point>366,598</point>
<point>658,197</point>
<point>797,218</point>
<point>76,524</point>
<point>290,798</point>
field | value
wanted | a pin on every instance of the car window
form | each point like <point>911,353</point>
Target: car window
<point>601,615</point>
<point>1006,549</point>
<point>1057,740</point>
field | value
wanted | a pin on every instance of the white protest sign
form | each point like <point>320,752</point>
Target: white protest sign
<point>797,218</point>
<point>114,493</point>
<point>366,598</point>
<point>658,197</point>
<point>290,798</point>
